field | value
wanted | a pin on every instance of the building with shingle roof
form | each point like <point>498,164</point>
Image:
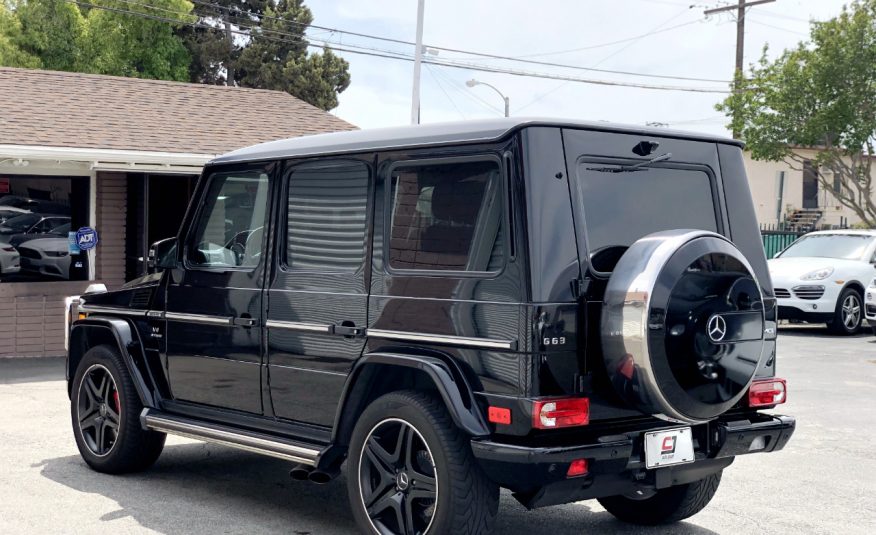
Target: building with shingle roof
<point>121,156</point>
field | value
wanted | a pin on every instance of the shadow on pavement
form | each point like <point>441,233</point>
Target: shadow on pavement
<point>803,330</point>
<point>199,488</point>
<point>15,370</point>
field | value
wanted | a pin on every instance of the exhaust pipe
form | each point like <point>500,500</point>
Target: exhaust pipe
<point>301,472</point>
<point>321,477</point>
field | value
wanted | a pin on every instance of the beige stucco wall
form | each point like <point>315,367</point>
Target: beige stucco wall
<point>763,180</point>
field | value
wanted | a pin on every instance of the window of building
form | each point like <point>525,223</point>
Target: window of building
<point>230,230</point>
<point>327,205</point>
<point>37,215</point>
<point>446,217</point>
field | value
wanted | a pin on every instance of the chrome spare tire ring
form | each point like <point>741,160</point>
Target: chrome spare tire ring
<point>682,325</point>
<point>398,482</point>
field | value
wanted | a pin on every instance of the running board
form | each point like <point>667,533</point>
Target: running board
<point>229,436</point>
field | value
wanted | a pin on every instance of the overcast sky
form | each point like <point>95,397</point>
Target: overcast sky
<point>690,45</point>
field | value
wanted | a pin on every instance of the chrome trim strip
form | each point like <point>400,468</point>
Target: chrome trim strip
<point>300,326</point>
<point>264,446</point>
<point>113,310</point>
<point>484,343</point>
<point>155,314</point>
<point>198,318</point>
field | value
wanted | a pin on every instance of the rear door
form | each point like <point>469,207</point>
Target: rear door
<point>215,299</point>
<point>317,297</point>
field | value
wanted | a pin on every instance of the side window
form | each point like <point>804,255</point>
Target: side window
<point>230,228</point>
<point>327,206</point>
<point>446,216</point>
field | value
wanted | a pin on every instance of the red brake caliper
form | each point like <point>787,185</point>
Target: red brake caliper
<point>116,399</point>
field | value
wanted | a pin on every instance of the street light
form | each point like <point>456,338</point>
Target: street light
<point>473,82</point>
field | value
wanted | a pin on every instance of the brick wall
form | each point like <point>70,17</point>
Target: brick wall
<point>112,194</point>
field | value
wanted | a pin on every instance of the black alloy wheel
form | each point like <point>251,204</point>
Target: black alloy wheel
<point>397,480</point>
<point>99,409</point>
<point>105,412</point>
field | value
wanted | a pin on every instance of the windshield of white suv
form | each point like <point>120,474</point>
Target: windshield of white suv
<point>846,246</point>
<point>622,207</point>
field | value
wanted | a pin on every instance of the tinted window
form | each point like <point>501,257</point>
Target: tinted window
<point>230,228</point>
<point>327,208</point>
<point>446,217</point>
<point>848,246</point>
<point>621,207</point>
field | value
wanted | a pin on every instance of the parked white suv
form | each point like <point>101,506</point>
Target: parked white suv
<point>870,306</point>
<point>822,277</point>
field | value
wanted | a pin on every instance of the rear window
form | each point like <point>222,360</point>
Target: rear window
<point>621,207</point>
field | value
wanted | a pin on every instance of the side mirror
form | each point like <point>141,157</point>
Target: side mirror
<point>162,255</point>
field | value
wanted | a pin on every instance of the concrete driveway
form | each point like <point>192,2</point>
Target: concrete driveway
<point>823,482</point>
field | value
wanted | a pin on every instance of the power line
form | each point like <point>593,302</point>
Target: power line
<point>485,55</point>
<point>399,56</point>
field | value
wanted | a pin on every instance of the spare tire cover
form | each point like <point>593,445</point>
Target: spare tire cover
<point>682,325</point>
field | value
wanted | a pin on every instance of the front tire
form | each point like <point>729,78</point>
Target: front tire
<point>849,313</point>
<point>666,505</point>
<point>411,470</point>
<point>105,410</point>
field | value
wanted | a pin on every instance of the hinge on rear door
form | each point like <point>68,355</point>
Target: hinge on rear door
<point>580,287</point>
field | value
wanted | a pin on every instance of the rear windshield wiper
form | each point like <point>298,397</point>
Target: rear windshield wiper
<point>632,168</point>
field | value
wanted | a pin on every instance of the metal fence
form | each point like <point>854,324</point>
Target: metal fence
<point>775,241</point>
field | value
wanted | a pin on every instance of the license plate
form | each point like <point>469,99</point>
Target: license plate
<point>668,447</point>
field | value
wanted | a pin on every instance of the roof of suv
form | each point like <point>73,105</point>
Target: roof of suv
<point>484,130</point>
<point>859,232</point>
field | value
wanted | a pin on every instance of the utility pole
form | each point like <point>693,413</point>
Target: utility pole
<point>740,32</point>
<point>418,59</point>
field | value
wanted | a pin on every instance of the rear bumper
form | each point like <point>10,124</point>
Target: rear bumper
<point>616,463</point>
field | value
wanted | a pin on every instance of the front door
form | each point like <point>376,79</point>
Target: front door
<point>317,297</point>
<point>215,299</point>
<point>810,186</point>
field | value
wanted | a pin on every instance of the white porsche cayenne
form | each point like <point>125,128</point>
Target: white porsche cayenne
<point>823,278</point>
<point>870,305</point>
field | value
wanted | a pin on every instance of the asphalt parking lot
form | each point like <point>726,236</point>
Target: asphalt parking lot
<point>823,482</point>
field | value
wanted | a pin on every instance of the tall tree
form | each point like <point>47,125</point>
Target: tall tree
<point>123,44</point>
<point>262,44</point>
<point>11,54</point>
<point>821,94</point>
<point>52,31</point>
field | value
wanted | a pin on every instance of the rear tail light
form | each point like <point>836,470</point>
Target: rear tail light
<point>499,415</point>
<point>560,412</point>
<point>767,392</point>
<point>578,468</point>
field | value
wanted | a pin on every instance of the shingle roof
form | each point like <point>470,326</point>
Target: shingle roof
<point>64,109</point>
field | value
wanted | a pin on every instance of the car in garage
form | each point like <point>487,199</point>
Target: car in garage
<point>870,305</point>
<point>10,263</point>
<point>46,257</point>
<point>821,278</point>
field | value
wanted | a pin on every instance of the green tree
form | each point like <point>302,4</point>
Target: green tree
<point>51,30</point>
<point>11,54</point>
<point>821,94</point>
<point>261,44</point>
<point>122,44</point>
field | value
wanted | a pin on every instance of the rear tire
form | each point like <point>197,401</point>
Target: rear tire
<point>395,476</point>
<point>667,505</point>
<point>849,314</point>
<point>105,410</point>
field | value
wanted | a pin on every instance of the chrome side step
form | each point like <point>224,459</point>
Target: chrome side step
<point>229,436</point>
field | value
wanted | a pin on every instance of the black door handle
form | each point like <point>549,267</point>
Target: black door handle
<point>245,322</point>
<point>347,329</point>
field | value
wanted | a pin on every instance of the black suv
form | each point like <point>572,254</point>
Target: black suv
<point>566,310</point>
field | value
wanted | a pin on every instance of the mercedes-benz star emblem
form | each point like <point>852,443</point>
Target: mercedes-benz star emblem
<point>402,481</point>
<point>717,328</point>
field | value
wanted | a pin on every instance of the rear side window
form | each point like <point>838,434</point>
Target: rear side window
<point>327,211</point>
<point>446,217</point>
<point>621,207</point>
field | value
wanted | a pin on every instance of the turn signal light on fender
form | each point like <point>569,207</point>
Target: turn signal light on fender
<point>560,412</point>
<point>767,392</point>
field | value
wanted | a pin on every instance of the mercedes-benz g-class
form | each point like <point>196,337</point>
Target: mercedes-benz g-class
<point>566,310</point>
